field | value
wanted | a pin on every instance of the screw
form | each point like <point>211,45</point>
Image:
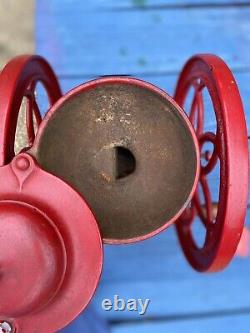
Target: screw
<point>22,163</point>
<point>5,327</point>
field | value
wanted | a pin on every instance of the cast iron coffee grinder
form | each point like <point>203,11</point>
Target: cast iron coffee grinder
<point>115,160</point>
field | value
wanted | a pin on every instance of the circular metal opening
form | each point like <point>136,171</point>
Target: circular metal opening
<point>128,149</point>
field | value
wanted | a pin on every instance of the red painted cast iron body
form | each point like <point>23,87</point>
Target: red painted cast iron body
<point>51,246</point>
<point>51,250</point>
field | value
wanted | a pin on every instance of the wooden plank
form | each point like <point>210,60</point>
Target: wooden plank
<point>133,4</point>
<point>88,321</point>
<point>145,4</point>
<point>229,324</point>
<point>157,270</point>
<point>81,42</point>
<point>169,250</point>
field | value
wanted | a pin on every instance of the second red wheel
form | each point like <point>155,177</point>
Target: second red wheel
<point>230,150</point>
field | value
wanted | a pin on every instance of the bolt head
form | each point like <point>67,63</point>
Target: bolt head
<point>22,163</point>
<point>5,327</point>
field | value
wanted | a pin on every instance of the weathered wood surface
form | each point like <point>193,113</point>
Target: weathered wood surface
<point>80,41</point>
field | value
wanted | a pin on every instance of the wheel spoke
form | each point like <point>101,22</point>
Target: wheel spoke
<point>189,215</point>
<point>211,157</point>
<point>37,113</point>
<point>197,110</point>
<point>204,211</point>
<point>32,110</point>
<point>29,120</point>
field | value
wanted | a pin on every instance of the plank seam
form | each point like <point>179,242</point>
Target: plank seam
<point>207,5</point>
<point>182,317</point>
<point>139,74</point>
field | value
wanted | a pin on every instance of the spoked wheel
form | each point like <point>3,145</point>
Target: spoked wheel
<point>223,227</point>
<point>62,253</point>
<point>18,79</point>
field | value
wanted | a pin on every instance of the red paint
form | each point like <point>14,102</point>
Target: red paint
<point>18,79</point>
<point>51,250</point>
<point>243,249</point>
<point>231,147</point>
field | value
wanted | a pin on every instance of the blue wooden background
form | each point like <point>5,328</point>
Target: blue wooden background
<point>151,39</point>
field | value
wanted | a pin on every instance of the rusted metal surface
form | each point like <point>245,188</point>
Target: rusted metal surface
<point>128,149</point>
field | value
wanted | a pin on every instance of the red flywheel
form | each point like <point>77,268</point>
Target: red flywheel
<point>18,79</point>
<point>51,249</point>
<point>229,153</point>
